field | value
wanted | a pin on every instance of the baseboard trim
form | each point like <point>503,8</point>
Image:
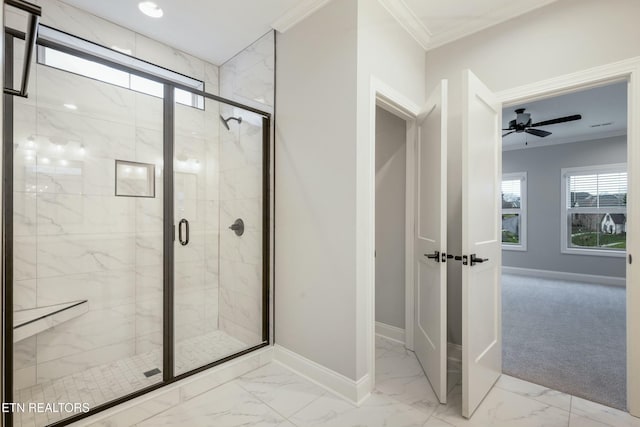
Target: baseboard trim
<point>389,332</point>
<point>353,391</point>
<point>561,275</point>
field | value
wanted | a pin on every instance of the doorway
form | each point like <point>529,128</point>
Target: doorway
<point>564,228</point>
<point>398,373</point>
<point>390,220</point>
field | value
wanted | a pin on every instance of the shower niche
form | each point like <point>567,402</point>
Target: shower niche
<point>122,184</point>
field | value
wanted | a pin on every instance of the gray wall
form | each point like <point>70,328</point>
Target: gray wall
<point>324,174</point>
<point>391,175</point>
<point>559,33</point>
<point>544,189</point>
<point>315,175</point>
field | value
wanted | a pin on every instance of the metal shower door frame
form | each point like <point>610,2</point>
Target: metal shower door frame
<point>169,376</point>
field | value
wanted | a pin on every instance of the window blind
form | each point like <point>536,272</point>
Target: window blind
<point>511,192</point>
<point>596,190</point>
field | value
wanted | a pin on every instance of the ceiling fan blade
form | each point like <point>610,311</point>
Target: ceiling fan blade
<point>538,132</point>
<point>508,133</point>
<point>558,120</point>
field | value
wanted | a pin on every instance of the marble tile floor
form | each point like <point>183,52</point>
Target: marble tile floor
<point>103,383</point>
<point>275,396</point>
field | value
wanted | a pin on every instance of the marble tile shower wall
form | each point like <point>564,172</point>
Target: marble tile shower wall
<point>73,238</point>
<point>197,200</point>
<point>247,78</point>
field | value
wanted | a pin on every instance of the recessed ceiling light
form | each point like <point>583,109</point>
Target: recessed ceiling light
<point>71,106</point>
<point>151,9</point>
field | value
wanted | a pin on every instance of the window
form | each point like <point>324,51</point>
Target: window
<point>514,211</point>
<point>104,73</point>
<point>594,210</point>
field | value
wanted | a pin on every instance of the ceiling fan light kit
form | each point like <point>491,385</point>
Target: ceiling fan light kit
<point>522,123</point>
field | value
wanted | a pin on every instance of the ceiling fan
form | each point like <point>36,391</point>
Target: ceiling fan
<point>522,123</point>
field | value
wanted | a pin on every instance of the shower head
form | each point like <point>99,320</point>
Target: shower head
<point>226,121</point>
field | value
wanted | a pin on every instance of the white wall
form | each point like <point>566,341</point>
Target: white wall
<point>391,176</point>
<point>387,55</point>
<point>564,37</point>
<point>315,196</point>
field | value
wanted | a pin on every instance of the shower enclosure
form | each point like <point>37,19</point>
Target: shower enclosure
<point>136,228</point>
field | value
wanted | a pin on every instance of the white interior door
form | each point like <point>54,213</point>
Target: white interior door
<point>481,239</point>
<point>430,324</point>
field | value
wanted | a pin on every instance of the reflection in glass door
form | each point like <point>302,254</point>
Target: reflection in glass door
<point>218,213</point>
<point>88,234</point>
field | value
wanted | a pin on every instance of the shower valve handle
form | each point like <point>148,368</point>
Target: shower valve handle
<point>238,227</point>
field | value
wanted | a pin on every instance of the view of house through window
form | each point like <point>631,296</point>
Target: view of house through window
<point>595,208</point>
<point>513,210</point>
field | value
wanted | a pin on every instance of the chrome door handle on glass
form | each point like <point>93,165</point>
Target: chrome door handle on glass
<point>183,241</point>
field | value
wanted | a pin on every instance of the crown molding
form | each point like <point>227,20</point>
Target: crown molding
<point>297,13</point>
<point>409,21</point>
<point>479,23</point>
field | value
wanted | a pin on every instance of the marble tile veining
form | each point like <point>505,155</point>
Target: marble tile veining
<point>273,395</point>
<point>280,388</point>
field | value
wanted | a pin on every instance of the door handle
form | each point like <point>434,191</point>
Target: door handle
<point>475,260</point>
<point>185,241</point>
<point>434,256</point>
<point>35,12</point>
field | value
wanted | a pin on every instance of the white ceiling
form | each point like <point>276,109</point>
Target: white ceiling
<point>434,23</point>
<point>605,104</point>
<point>215,30</point>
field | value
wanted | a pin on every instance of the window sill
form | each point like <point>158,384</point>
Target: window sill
<point>594,252</point>
<point>518,248</point>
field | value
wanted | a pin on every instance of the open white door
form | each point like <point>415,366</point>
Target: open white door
<point>430,324</point>
<point>481,242</point>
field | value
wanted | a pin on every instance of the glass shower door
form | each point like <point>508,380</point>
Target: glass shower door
<point>218,215</point>
<point>87,240</point>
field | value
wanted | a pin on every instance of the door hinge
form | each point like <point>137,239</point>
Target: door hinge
<point>630,259</point>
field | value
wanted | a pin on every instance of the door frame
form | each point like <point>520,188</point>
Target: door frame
<point>387,98</point>
<point>626,70</point>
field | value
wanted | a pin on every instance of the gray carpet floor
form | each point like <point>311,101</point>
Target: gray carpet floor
<point>566,336</point>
